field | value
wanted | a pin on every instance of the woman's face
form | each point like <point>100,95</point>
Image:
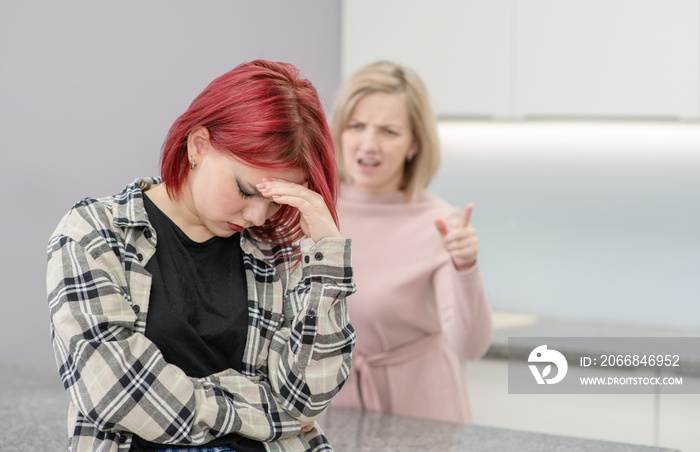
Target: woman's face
<point>224,197</point>
<point>376,142</point>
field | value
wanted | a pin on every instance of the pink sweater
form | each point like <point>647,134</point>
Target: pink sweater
<point>415,316</point>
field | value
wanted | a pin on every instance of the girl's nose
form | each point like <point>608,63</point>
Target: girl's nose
<point>256,212</point>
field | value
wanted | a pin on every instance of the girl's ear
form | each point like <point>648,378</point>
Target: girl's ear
<point>198,144</point>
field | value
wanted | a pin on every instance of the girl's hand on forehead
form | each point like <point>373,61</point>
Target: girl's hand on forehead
<point>315,220</point>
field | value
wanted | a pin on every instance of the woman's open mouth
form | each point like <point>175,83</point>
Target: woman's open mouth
<point>368,162</point>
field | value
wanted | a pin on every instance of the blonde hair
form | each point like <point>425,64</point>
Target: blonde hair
<point>388,77</point>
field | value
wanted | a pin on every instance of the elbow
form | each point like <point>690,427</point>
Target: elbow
<point>475,344</point>
<point>306,395</point>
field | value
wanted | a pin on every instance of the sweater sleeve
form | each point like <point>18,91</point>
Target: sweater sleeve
<point>310,356</point>
<point>464,310</point>
<point>116,378</point>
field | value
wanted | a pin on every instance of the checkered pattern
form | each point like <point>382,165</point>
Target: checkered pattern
<point>297,353</point>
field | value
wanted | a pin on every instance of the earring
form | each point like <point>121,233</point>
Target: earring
<point>192,163</point>
<point>409,159</point>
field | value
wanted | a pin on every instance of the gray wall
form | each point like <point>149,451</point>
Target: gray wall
<point>88,91</point>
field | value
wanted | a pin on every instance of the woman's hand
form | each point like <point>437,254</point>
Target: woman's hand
<point>460,242</point>
<point>316,220</point>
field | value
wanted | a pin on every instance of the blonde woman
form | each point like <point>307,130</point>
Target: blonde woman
<point>421,306</point>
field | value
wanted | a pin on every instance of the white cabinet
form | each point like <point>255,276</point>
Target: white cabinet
<point>515,59</point>
<point>461,49</point>
<point>607,58</point>
<point>646,419</point>
<point>679,415</point>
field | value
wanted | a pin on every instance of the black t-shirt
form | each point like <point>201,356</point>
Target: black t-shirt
<point>198,309</point>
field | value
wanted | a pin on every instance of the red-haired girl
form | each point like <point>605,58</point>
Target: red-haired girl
<point>207,309</point>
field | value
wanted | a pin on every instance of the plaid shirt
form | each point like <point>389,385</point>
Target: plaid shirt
<point>297,353</point>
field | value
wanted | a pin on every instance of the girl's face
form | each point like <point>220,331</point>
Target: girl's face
<point>223,194</point>
<point>376,142</point>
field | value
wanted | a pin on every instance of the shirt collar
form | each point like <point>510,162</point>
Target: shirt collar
<point>129,210</point>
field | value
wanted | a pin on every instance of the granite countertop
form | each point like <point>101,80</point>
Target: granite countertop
<point>33,408</point>
<point>362,431</point>
<point>509,325</point>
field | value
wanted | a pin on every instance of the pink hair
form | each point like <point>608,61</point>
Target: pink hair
<point>265,115</point>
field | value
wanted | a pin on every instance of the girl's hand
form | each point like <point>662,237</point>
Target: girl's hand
<point>460,242</point>
<point>307,427</point>
<point>316,220</point>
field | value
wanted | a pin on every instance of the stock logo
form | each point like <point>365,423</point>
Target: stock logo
<point>542,355</point>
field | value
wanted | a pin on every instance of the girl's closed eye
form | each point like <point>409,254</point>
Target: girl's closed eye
<point>243,193</point>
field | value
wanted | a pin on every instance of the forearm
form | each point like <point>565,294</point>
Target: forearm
<point>310,359</point>
<point>465,311</point>
<point>119,380</point>
<point>125,385</point>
